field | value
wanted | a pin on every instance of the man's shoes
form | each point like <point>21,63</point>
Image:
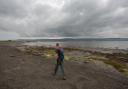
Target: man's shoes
<point>64,78</point>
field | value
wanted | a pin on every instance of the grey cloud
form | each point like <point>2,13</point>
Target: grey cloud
<point>89,18</point>
<point>12,8</point>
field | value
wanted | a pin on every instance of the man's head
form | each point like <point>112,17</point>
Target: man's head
<point>57,44</point>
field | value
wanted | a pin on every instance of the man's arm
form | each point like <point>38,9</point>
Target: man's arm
<point>56,54</point>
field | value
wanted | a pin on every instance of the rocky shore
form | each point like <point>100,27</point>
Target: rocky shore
<point>26,67</point>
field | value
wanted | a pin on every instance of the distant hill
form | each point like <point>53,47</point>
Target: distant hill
<point>73,39</point>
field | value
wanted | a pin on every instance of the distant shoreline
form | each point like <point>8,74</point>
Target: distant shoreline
<point>121,45</point>
<point>72,39</point>
<point>66,38</point>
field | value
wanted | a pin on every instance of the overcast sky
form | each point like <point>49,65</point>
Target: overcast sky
<point>60,18</point>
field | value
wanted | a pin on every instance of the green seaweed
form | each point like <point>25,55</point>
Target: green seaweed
<point>118,61</point>
<point>117,64</point>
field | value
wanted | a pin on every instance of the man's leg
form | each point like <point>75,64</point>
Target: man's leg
<point>56,68</point>
<point>62,69</point>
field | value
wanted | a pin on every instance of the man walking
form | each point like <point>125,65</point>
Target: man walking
<point>59,60</point>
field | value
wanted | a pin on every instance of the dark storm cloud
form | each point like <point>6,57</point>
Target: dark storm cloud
<point>89,18</point>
